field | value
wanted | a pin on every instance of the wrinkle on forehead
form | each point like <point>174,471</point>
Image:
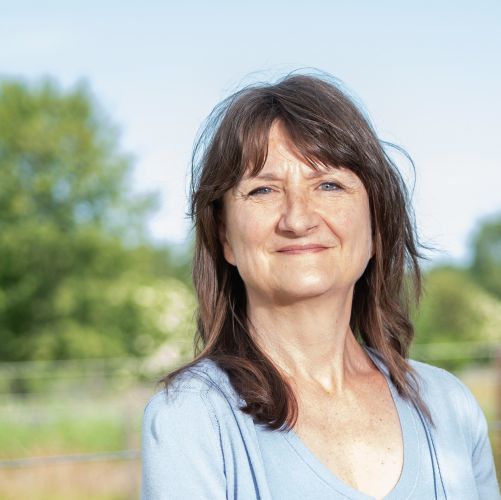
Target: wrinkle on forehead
<point>282,151</point>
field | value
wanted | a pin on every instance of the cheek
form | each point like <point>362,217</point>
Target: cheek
<point>352,225</point>
<point>362,232</point>
<point>244,234</point>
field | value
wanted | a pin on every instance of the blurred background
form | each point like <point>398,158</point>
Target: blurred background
<point>99,105</point>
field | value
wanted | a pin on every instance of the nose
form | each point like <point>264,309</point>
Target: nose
<point>298,215</point>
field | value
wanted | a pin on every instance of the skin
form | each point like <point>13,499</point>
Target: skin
<point>299,305</point>
<point>303,297</point>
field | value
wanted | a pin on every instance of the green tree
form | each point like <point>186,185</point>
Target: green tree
<point>73,252</point>
<point>454,309</point>
<point>486,266</point>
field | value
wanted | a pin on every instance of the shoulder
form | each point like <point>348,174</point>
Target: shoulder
<point>459,418</point>
<point>181,451</point>
<point>202,391</point>
<point>449,398</point>
<point>205,378</point>
<point>437,382</point>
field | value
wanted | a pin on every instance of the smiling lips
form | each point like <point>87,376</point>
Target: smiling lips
<point>302,249</point>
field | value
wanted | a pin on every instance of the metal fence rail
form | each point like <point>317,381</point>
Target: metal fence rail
<point>105,456</point>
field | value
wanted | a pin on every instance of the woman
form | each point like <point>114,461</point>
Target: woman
<point>301,388</point>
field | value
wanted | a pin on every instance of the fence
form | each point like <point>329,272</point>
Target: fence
<point>68,415</point>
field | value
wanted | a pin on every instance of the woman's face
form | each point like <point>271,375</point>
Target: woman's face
<point>296,233</point>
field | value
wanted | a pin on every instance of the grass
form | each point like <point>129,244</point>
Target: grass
<point>63,435</point>
<point>48,426</point>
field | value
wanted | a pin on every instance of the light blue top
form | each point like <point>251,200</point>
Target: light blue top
<point>198,444</point>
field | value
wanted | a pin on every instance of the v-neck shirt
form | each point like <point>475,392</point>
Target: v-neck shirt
<point>198,444</point>
<point>415,457</point>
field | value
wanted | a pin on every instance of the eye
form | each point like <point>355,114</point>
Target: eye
<point>330,186</point>
<point>260,190</point>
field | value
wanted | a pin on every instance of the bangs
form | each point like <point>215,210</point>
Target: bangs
<point>319,143</point>
<point>323,127</point>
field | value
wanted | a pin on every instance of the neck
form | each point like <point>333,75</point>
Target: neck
<point>310,341</point>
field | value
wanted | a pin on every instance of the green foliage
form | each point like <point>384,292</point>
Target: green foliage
<point>486,266</point>
<point>449,311</point>
<point>72,247</point>
<point>60,162</point>
<point>455,309</point>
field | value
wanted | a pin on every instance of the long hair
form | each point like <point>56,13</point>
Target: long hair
<point>327,127</point>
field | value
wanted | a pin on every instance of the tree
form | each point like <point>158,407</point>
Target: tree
<point>73,251</point>
<point>486,266</point>
<point>455,309</point>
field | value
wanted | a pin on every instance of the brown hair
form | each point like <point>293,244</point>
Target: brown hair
<point>326,127</point>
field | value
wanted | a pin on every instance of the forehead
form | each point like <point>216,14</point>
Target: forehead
<point>282,167</point>
<point>283,158</point>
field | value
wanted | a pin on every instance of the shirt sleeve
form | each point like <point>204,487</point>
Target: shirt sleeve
<point>180,449</point>
<point>482,457</point>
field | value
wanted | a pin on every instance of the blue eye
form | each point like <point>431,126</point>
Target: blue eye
<point>330,186</point>
<point>260,190</point>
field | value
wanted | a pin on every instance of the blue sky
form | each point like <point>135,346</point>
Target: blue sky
<point>428,74</point>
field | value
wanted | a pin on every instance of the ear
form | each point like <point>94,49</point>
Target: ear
<point>223,239</point>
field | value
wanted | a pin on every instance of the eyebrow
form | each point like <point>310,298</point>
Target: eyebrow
<point>271,177</point>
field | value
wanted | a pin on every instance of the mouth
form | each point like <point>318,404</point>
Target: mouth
<point>302,249</point>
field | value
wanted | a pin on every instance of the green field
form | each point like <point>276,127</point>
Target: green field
<point>55,426</point>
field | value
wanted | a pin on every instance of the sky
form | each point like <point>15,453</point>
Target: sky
<point>427,73</point>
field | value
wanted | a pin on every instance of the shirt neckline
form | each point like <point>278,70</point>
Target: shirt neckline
<point>410,469</point>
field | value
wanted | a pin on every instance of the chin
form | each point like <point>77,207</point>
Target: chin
<point>303,289</point>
